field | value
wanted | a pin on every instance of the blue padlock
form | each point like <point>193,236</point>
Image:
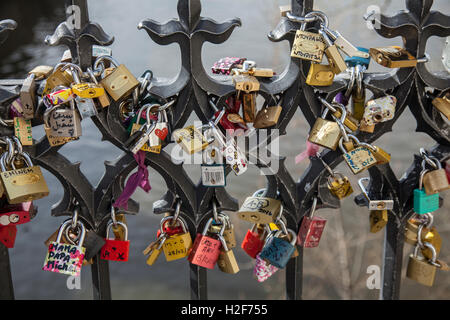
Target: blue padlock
<point>278,251</point>
<point>353,61</point>
<point>424,203</point>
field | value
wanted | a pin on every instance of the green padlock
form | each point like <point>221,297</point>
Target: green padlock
<point>424,203</point>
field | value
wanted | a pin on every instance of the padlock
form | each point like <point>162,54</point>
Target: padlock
<point>267,117</point>
<point>8,235</point>
<point>443,104</point>
<point>394,57</point>
<point>62,122</point>
<point>66,258</point>
<point>228,232</point>
<point>93,244</point>
<point>326,133</point>
<point>41,72</point>
<point>120,83</point>
<point>119,232</point>
<point>177,246</point>
<point>378,219</point>
<point>158,136</point>
<point>430,236</point>
<point>374,204</point>
<point>102,99</point>
<point>342,43</point>
<point>380,155</point>
<point>22,130</point>
<point>28,96</point>
<point>260,209</point>
<point>263,270</point>
<point>277,251</point>
<point>320,75</point>
<point>116,250</point>
<point>190,139</point>
<point>225,65</point>
<point>227,261</point>
<point>379,110</point>
<point>249,106</point>
<point>358,159</point>
<point>254,240</point>
<point>17,213</point>
<point>311,229</point>
<point>155,148</point>
<point>336,108</point>
<point>355,60</point>
<point>421,270</point>
<point>339,185</point>
<point>424,203</point>
<point>24,184</point>
<point>154,250</point>
<point>206,252</point>
<point>435,181</point>
<point>366,128</point>
<point>246,83</point>
<point>57,78</point>
<point>213,173</point>
<point>335,59</point>
<point>308,45</point>
<point>412,228</point>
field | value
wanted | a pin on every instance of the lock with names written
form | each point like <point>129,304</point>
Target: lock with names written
<point>206,249</point>
<point>60,121</point>
<point>308,45</point>
<point>177,245</point>
<point>359,157</point>
<point>311,228</point>
<point>260,209</point>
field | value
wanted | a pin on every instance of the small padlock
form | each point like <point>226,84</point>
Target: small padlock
<point>421,270</point>
<point>102,99</point>
<point>57,78</point>
<point>374,204</point>
<point>412,228</point>
<point>227,261</point>
<point>213,173</point>
<point>277,251</point>
<point>334,58</point>
<point>260,209</point>
<point>379,110</point>
<point>263,270</point>
<point>254,240</point>
<point>320,75</point>
<point>24,184</point>
<point>246,83</point>
<point>28,96</point>
<point>120,83</point>
<point>62,122</point>
<point>177,246</point>
<point>308,45</point>
<point>190,139</point>
<point>435,181</point>
<point>359,158</point>
<point>116,250</point>
<point>161,131</point>
<point>66,258</point>
<point>155,148</point>
<point>378,219</point>
<point>424,203</point>
<point>311,229</point>
<point>326,133</point>
<point>394,57</point>
<point>430,236</point>
<point>267,117</point>
<point>206,251</point>
<point>154,249</point>
<point>339,185</point>
<point>443,104</point>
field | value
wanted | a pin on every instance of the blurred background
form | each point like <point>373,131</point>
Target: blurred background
<point>337,269</point>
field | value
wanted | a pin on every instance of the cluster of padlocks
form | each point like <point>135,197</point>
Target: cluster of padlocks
<point>63,95</point>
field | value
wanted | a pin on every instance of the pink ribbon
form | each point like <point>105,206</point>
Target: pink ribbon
<point>447,171</point>
<point>137,179</point>
<point>311,150</point>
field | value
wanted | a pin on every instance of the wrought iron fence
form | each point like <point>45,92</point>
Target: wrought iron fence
<point>194,87</point>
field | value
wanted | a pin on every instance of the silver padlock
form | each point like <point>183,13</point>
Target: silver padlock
<point>375,204</point>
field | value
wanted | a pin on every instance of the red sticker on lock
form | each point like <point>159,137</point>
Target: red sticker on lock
<point>252,244</point>
<point>8,235</point>
<point>310,231</point>
<point>170,231</point>
<point>16,213</point>
<point>162,133</point>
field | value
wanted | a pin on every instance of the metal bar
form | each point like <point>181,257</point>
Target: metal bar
<point>294,277</point>
<point>199,284</point>
<point>100,279</point>
<point>6,284</point>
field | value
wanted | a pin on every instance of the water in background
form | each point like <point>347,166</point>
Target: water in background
<point>335,270</point>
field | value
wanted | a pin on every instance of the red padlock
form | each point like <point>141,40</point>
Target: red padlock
<point>8,235</point>
<point>16,213</point>
<point>253,243</point>
<point>311,229</point>
<point>116,250</point>
<point>205,251</point>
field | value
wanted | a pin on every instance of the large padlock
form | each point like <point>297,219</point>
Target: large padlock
<point>326,133</point>
<point>263,270</point>
<point>177,246</point>
<point>360,158</point>
<point>120,83</point>
<point>420,269</point>
<point>66,258</point>
<point>206,250</point>
<point>25,184</point>
<point>117,249</point>
<point>278,251</point>
<point>311,229</point>
<point>60,121</point>
<point>435,181</point>
<point>308,45</point>
<point>254,240</point>
<point>260,209</point>
<point>424,203</point>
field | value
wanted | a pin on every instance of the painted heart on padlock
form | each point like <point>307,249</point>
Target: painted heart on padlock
<point>162,133</point>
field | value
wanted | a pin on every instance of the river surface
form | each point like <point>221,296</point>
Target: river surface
<point>335,270</point>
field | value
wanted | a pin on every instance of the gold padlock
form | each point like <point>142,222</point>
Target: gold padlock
<point>339,185</point>
<point>320,75</point>
<point>24,184</point>
<point>260,209</point>
<point>443,104</point>
<point>421,270</point>
<point>335,59</point>
<point>57,78</point>
<point>393,57</point>
<point>365,127</point>
<point>190,139</point>
<point>249,106</point>
<point>360,158</point>
<point>42,72</point>
<point>378,220</point>
<point>120,83</point>
<point>246,83</point>
<point>267,117</point>
<point>308,45</point>
<point>435,181</point>
<point>227,261</point>
<point>326,133</point>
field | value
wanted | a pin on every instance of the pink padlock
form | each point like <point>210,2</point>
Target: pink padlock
<point>205,251</point>
<point>263,270</point>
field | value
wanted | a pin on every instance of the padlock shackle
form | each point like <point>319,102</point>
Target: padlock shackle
<point>355,139</point>
<point>108,58</point>
<point>112,224</point>
<point>351,82</point>
<point>359,70</point>
<point>422,174</point>
<point>433,251</point>
<point>363,187</point>
<point>11,149</point>
<point>313,207</point>
<point>181,220</point>
<point>74,69</point>
<point>67,224</point>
